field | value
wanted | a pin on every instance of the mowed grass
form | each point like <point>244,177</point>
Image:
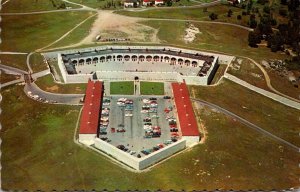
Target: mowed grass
<point>77,35</point>
<point>16,6</point>
<point>152,88</point>
<point>270,115</point>
<point>29,32</point>
<point>178,13</point>
<point>38,153</point>
<point>17,61</point>
<point>97,4</point>
<point>47,84</point>
<point>227,39</point>
<point>122,88</point>
<point>37,62</point>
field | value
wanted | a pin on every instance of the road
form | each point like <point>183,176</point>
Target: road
<point>276,97</point>
<point>12,70</point>
<point>50,11</point>
<point>68,99</point>
<point>247,123</point>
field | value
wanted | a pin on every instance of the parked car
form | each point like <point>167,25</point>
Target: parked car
<point>167,97</point>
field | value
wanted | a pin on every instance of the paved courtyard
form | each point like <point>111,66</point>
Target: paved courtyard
<point>133,137</point>
<point>138,66</point>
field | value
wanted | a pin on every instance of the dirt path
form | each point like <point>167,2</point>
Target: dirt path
<point>110,25</point>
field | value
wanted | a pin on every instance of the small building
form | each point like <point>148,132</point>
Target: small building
<point>131,3</point>
<point>147,2</point>
<point>159,2</point>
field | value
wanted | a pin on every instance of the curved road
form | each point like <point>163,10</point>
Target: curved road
<point>69,99</point>
<point>247,123</point>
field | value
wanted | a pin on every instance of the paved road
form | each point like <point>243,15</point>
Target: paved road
<point>12,70</point>
<point>278,98</point>
<point>40,74</point>
<point>69,99</point>
<point>12,53</point>
<point>247,123</point>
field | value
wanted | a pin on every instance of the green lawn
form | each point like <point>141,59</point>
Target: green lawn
<point>17,61</point>
<point>30,32</point>
<point>77,35</point>
<point>47,84</point>
<point>122,88</point>
<point>16,6</point>
<point>178,13</point>
<point>37,62</point>
<point>98,4</point>
<point>38,152</point>
<point>272,116</point>
<point>152,88</point>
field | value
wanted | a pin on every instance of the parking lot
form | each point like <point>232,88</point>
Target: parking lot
<point>137,123</point>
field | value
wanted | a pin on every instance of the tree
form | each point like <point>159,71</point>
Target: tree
<point>253,39</point>
<point>239,17</point>
<point>252,22</point>
<point>229,13</point>
<point>267,9</point>
<point>283,12</point>
<point>204,9</point>
<point>213,16</point>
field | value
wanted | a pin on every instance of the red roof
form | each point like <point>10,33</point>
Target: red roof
<point>91,109</point>
<point>146,1</point>
<point>187,120</point>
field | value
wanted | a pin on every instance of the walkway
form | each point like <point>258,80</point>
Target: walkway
<point>247,123</point>
<point>12,70</point>
<point>263,92</point>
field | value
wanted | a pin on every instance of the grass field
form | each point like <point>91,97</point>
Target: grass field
<point>17,61</point>
<point>4,77</point>
<point>151,88</point>
<point>122,88</point>
<point>47,84</point>
<point>283,85</point>
<point>98,4</point>
<point>248,72</point>
<point>77,35</point>
<point>43,155</point>
<point>15,6</point>
<point>274,117</point>
<point>221,38</point>
<point>187,13</point>
<point>37,62</point>
<point>36,31</point>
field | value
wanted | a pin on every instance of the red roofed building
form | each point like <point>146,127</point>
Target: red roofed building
<point>159,2</point>
<point>186,116</point>
<point>89,122</point>
<point>148,2</point>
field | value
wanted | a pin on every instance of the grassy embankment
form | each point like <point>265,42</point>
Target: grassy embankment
<point>38,152</point>
<point>272,116</point>
<point>47,84</point>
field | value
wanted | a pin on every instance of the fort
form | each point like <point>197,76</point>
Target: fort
<point>138,130</point>
<point>154,63</point>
